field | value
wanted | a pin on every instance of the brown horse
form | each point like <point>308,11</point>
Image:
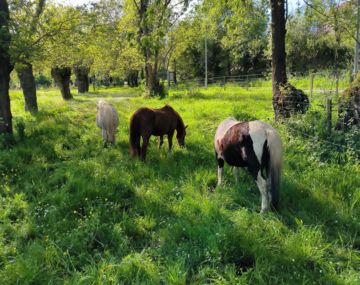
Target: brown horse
<point>157,122</point>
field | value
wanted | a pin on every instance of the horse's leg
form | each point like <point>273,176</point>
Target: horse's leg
<point>264,191</point>
<point>113,134</point>
<point>138,146</point>
<point>104,135</point>
<point>262,183</point>
<point>236,174</point>
<point>170,137</point>
<point>161,141</point>
<point>220,174</point>
<point>220,162</point>
<point>144,147</point>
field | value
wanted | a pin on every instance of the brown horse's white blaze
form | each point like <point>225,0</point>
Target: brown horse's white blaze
<point>257,146</point>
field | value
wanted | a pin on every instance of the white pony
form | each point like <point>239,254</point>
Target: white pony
<point>107,120</point>
<point>257,146</point>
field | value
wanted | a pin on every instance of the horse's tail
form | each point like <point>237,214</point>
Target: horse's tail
<point>275,150</point>
<point>135,135</point>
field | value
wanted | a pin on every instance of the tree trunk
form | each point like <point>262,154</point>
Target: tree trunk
<point>5,111</point>
<point>151,75</point>
<point>62,76</point>
<point>278,33</point>
<point>132,78</point>
<point>82,78</point>
<point>175,79</point>
<point>5,70</point>
<point>349,106</point>
<point>27,82</point>
<point>228,65</point>
<point>150,53</point>
<point>152,80</point>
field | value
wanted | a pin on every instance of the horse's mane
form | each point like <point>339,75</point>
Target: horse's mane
<point>180,126</point>
<point>167,106</point>
<point>180,120</point>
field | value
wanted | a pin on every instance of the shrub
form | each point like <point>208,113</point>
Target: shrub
<point>42,81</point>
<point>349,105</point>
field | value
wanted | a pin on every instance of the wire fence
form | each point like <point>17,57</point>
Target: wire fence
<point>323,90</point>
<point>318,86</point>
<point>330,77</point>
<point>315,138</point>
<point>256,82</point>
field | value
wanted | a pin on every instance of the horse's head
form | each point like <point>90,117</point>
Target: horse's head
<point>180,135</point>
<point>100,104</point>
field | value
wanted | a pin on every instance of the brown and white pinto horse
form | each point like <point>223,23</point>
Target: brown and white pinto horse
<point>157,122</point>
<point>257,146</point>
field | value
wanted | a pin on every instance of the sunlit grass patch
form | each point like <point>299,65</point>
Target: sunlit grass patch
<point>75,212</point>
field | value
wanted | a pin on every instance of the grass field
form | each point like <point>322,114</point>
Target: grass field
<point>73,212</point>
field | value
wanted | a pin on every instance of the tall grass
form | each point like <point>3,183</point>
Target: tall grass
<point>73,212</point>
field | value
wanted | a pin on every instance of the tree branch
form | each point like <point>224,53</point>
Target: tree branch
<point>39,9</point>
<point>327,17</point>
<point>137,6</point>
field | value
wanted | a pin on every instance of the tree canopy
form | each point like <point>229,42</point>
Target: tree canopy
<point>123,38</point>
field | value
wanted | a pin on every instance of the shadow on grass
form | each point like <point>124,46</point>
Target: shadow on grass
<point>299,203</point>
<point>199,228</point>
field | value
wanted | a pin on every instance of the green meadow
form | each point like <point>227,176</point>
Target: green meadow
<point>74,212</point>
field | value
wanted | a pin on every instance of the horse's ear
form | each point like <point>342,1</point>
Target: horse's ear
<point>186,127</point>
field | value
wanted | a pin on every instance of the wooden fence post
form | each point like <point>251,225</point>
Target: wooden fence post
<point>328,117</point>
<point>337,85</point>
<point>94,83</point>
<point>312,76</point>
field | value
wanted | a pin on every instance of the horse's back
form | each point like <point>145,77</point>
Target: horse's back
<point>142,111</point>
<point>231,132</point>
<point>142,121</point>
<point>260,131</point>
<point>166,119</point>
<point>111,115</point>
<point>155,121</point>
<point>251,127</point>
<point>223,136</point>
<point>144,114</point>
<point>107,115</point>
<point>259,126</point>
<point>166,113</point>
<point>168,108</point>
<point>223,127</point>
